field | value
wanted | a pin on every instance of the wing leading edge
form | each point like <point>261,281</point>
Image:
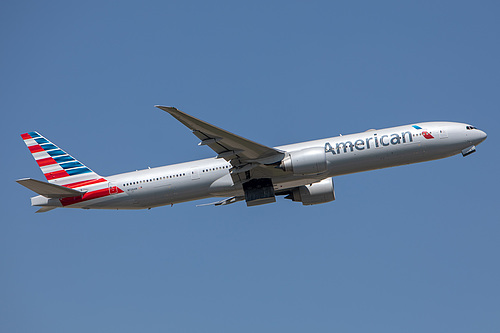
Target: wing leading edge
<point>242,153</point>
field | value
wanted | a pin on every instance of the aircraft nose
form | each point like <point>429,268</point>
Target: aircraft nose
<point>480,136</point>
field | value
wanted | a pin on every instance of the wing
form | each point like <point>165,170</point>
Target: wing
<point>242,153</point>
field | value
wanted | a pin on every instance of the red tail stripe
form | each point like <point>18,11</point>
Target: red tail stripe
<point>88,196</point>
<point>56,174</point>
<point>85,183</point>
<point>35,149</point>
<point>25,136</point>
<point>46,161</point>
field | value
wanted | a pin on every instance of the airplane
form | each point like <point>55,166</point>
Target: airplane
<point>243,169</point>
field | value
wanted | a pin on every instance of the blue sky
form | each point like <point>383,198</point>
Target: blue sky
<point>406,249</point>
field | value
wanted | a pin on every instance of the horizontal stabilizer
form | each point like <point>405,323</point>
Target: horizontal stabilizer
<point>226,201</point>
<point>45,209</point>
<point>49,190</point>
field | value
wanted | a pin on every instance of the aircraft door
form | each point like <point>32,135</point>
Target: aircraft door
<point>195,173</point>
<point>112,189</point>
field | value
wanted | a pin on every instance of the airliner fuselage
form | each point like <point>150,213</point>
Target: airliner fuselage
<point>245,170</point>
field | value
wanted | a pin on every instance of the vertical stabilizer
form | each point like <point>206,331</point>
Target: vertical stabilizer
<point>58,166</point>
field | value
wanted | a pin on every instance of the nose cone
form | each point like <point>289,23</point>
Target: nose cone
<point>479,136</point>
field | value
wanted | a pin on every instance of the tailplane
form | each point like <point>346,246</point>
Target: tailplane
<point>50,195</point>
<point>45,209</point>
<point>48,190</point>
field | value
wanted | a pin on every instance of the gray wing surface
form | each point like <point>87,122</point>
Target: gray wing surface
<point>240,152</point>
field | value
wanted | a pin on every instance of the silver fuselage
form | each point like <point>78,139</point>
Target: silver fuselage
<point>370,150</point>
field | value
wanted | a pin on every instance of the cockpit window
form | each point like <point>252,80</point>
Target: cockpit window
<point>470,127</point>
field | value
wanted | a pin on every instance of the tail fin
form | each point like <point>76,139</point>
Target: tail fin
<point>57,166</point>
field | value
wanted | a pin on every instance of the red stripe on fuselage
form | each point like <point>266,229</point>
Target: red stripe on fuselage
<point>85,183</point>
<point>88,196</point>
<point>35,149</point>
<point>56,175</point>
<point>46,161</point>
<point>25,136</point>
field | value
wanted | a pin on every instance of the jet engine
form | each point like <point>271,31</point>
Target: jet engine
<point>307,161</point>
<point>314,194</point>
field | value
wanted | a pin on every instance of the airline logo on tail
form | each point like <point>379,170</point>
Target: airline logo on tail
<point>57,166</point>
<point>70,181</point>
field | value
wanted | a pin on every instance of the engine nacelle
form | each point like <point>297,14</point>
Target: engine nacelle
<point>307,161</point>
<point>314,194</point>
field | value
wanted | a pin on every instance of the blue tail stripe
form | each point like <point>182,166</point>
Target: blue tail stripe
<point>70,165</point>
<point>41,140</point>
<point>78,171</point>
<point>57,152</point>
<point>48,146</point>
<point>34,134</point>
<point>62,159</point>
